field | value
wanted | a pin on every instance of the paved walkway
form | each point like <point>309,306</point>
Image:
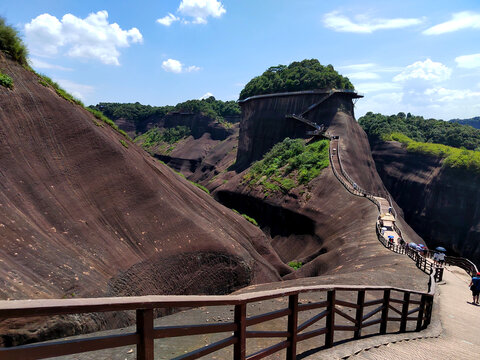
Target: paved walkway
<point>460,319</point>
<point>343,177</point>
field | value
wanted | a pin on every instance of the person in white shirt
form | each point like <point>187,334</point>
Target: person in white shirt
<point>441,258</point>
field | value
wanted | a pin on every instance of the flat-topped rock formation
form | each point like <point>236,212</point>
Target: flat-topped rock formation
<point>321,225</point>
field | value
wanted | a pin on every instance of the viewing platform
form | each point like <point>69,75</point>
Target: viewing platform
<point>352,93</point>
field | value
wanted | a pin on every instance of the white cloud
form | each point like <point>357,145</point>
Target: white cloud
<point>335,21</point>
<point>357,67</point>
<point>206,96</point>
<point>168,19</point>
<point>459,21</point>
<point>441,94</point>
<point>363,75</point>
<point>91,38</point>
<point>192,68</point>
<point>80,91</point>
<point>385,103</point>
<point>376,86</point>
<point>369,67</point>
<point>175,66</point>
<point>200,10</point>
<point>468,61</point>
<point>424,70</point>
<point>39,64</point>
<point>172,65</point>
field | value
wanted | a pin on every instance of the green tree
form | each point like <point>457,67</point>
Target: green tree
<point>303,75</point>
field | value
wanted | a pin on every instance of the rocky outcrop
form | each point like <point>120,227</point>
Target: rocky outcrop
<point>265,122</point>
<point>79,209</point>
<point>198,123</point>
<point>441,204</point>
<point>322,225</point>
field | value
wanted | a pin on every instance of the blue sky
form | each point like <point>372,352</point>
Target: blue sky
<point>421,57</point>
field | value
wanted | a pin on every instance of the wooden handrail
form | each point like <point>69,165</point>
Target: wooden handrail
<point>146,332</point>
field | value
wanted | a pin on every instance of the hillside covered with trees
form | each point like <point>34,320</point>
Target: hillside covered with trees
<point>298,76</point>
<point>136,112</point>
<point>458,145</point>
<point>474,122</point>
<point>380,127</point>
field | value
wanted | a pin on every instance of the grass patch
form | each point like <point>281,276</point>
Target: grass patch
<point>99,115</point>
<point>12,44</point>
<point>6,81</point>
<point>246,217</point>
<point>289,164</point>
<point>124,143</point>
<point>453,157</point>
<point>250,219</point>
<point>295,264</point>
<point>157,136</point>
<point>191,182</point>
<point>200,187</point>
<point>45,81</point>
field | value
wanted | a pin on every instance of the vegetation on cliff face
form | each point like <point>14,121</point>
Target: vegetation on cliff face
<point>377,126</point>
<point>295,264</point>
<point>303,75</point>
<point>12,44</point>
<point>289,164</point>
<point>136,112</point>
<point>158,137</point>
<point>6,80</point>
<point>473,122</point>
<point>453,157</point>
<point>46,81</point>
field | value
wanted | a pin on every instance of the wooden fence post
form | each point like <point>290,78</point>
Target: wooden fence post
<point>239,349</point>
<point>420,313</point>
<point>439,274</point>
<point>429,308</point>
<point>292,327</point>
<point>330,323</point>
<point>386,301</point>
<point>406,303</point>
<point>145,330</point>
<point>359,315</point>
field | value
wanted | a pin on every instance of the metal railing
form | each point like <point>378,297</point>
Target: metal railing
<point>332,309</point>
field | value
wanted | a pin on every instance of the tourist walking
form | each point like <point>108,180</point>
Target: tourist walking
<point>475,287</point>
<point>441,258</point>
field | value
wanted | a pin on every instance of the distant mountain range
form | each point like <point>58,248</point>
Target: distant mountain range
<point>474,122</point>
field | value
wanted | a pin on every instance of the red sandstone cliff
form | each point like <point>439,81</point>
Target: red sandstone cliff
<point>82,215</point>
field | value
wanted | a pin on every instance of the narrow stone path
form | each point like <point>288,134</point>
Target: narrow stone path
<point>461,323</point>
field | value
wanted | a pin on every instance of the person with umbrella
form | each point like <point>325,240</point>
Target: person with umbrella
<point>441,255</point>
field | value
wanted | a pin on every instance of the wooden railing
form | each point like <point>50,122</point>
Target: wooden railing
<point>393,307</point>
<point>420,261</point>
<point>348,183</point>
<point>463,263</point>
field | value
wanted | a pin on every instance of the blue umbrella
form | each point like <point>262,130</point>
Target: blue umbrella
<point>442,249</point>
<point>391,237</point>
